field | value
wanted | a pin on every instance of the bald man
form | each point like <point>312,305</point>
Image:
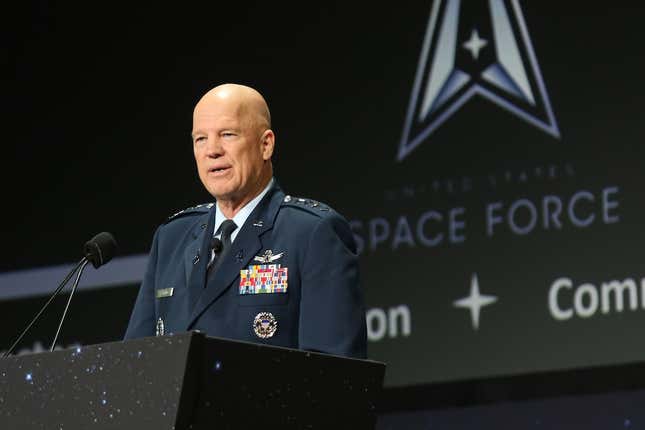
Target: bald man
<point>257,265</point>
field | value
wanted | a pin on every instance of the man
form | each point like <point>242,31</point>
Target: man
<point>258,265</point>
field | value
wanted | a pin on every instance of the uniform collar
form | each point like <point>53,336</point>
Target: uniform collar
<point>241,216</point>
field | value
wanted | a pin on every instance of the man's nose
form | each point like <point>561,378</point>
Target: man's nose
<point>214,147</point>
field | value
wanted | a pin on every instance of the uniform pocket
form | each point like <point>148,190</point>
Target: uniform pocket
<point>267,299</point>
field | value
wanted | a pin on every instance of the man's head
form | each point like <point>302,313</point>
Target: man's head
<point>233,143</point>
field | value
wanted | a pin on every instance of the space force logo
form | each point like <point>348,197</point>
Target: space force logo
<point>475,48</point>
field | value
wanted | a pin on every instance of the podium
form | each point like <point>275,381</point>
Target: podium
<point>187,381</point>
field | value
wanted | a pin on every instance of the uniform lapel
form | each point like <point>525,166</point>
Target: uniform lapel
<point>196,258</point>
<point>193,249</point>
<point>244,248</point>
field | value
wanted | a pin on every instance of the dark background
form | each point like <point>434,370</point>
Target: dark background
<point>96,112</point>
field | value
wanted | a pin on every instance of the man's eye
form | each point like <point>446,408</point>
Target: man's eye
<point>200,139</point>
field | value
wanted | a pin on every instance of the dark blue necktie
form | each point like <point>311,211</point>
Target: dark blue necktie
<point>226,229</point>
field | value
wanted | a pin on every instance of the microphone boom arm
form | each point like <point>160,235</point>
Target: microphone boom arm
<point>69,300</point>
<point>83,261</point>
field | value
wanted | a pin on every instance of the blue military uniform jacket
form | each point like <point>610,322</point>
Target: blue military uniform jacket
<point>319,307</point>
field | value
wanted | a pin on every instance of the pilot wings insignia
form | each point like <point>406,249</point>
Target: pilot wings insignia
<point>268,257</point>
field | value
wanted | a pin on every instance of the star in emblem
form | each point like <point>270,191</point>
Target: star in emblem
<point>475,44</point>
<point>475,301</point>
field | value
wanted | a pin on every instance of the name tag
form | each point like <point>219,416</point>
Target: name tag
<point>164,292</point>
<point>264,279</point>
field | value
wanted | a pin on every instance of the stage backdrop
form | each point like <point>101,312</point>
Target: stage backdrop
<point>488,155</point>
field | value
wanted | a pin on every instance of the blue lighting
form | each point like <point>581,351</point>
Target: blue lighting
<point>28,377</point>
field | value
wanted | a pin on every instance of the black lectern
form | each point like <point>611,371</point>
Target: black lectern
<point>187,381</point>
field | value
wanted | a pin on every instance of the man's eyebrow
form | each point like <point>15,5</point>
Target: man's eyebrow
<point>233,127</point>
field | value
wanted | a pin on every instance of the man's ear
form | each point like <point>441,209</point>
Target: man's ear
<point>268,143</point>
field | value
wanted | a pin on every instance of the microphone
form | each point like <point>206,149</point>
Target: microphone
<point>98,251</point>
<point>216,245</point>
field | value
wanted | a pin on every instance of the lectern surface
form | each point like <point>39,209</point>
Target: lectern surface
<point>113,385</point>
<point>187,381</point>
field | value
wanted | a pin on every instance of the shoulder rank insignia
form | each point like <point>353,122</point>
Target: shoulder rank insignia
<point>205,207</point>
<point>299,201</point>
<point>267,257</point>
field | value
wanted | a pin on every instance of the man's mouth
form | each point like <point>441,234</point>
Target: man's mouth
<point>219,169</point>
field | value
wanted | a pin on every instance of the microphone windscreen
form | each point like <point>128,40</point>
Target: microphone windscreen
<point>216,245</point>
<point>100,249</point>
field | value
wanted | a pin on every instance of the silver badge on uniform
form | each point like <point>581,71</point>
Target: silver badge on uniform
<point>265,325</point>
<point>160,329</point>
<point>268,257</point>
<point>164,292</point>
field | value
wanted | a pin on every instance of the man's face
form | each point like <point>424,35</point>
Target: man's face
<point>231,149</point>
